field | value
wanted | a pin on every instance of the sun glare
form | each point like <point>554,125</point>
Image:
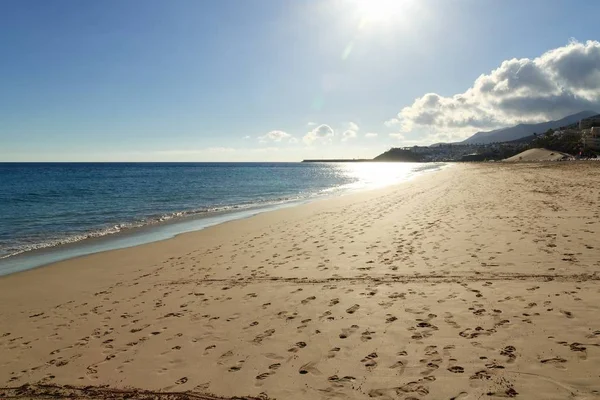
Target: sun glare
<point>374,11</point>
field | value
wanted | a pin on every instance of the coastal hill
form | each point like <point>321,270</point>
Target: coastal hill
<point>522,130</point>
<point>563,135</point>
<point>398,154</point>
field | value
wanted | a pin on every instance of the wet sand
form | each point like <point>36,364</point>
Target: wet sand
<point>478,281</point>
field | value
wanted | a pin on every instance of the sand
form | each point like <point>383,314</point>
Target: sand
<point>538,155</point>
<point>479,281</point>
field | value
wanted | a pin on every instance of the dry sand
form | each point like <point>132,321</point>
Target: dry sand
<point>479,281</point>
<point>539,155</point>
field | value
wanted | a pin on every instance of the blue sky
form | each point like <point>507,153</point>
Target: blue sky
<point>282,80</point>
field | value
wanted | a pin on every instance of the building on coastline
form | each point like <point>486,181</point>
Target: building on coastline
<point>566,132</point>
<point>418,149</point>
<point>585,133</point>
<point>456,151</point>
<point>590,122</point>
<point>591,138</point>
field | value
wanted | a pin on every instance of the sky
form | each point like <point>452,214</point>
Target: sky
<point>283,80</point>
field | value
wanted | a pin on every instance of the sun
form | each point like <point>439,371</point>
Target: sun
<point>374,11</point>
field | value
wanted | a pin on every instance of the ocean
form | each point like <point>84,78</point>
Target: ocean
<point>54,211</point>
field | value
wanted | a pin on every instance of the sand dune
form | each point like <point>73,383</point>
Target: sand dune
<point>538,155</point>
<point>480,281</point>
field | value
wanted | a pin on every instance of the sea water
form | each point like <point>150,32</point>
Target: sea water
<point>45,206</point>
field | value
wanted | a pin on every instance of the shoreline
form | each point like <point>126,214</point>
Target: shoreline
<point>477,281</point>
<point>130,238</point>
<point>165,230</point>
<point>149,249</point>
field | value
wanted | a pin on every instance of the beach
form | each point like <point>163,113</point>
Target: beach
<point>476,281</point>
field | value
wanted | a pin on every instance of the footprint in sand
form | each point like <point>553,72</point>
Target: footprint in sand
<point>554,360</point>
<point>413,387</point>
<point>333,352</point>
<point>367,335</point>
<point>593,335</point>
<point>509,351</point>
<point>398,365</point>
<point>481,375</point>
<point>337,381</point>
<point>369,361</point>
<point>494,365</point>
<point>297,346</point>
<point>259,338</point>
<point>263,376</point>
<point>353,309</point>
<point>223,357</point>
<point>209,348</point>
<point>309,368</point>
<point>236,367</point>
<point>567,314</point>
<point>461,395</point>
<point>578,347</point>
<point>447,349</point>
<point>348,331</point>
<point>509,392</point>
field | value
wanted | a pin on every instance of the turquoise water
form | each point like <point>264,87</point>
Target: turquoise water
<point>92,207</point>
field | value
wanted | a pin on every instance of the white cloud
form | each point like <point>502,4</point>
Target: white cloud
<point>311,124</point>
<point>247,137</point>
<point>350,132</point>
<point>347,135</point>
<point>561,81</point>
<point>322,133</point>
<point>371,135</point>
<point>353,127</point>
<point>392,122</point>
<point>274,136</point>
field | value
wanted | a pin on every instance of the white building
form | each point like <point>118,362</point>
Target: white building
<point>591,138</point>
<point>422,149</point>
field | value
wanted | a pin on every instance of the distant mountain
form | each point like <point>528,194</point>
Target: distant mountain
<point>522,130</point>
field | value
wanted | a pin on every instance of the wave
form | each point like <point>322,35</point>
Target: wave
<point>141,222</point>
<point>123,227</point>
